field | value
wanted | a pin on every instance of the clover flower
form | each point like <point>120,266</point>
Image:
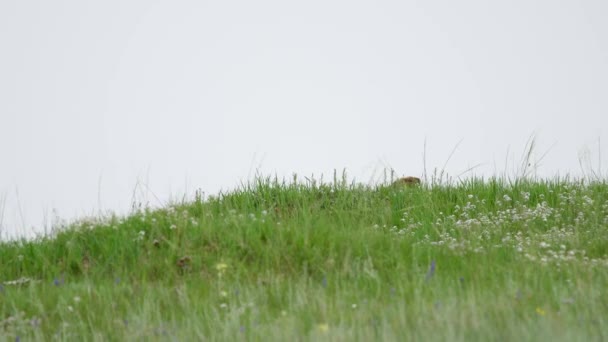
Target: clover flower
<point>221,268</point>
<point>323,327</point>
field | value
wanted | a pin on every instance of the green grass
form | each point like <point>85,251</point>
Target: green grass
<point>478,261</point>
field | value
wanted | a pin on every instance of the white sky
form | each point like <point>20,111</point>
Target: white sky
<point>98,95</point>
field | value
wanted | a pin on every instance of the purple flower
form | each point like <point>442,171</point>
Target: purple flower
<point>324,281</point>
<point>431,271</point>
<point>59,281</point>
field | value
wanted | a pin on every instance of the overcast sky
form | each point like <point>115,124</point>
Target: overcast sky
<point>96,96</point>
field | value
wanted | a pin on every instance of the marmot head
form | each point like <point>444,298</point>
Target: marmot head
<point>407,181</point>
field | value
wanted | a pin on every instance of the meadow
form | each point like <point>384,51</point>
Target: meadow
<point>478,260</point>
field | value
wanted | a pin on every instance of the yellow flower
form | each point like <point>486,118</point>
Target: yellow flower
<point>221,268</point>
<point>540,311</point>
<point>323,327</point>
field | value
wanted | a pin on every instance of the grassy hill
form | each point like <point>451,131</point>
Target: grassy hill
<point>478,261</point>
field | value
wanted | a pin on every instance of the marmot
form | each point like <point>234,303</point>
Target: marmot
<point>407,181</point>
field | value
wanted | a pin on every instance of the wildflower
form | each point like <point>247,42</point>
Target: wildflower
<point>140,235</point>
<point>221,267</point>
<point>35,322</point>
<point>506,198</point>
<point>354,306</point>
<point>76,299</point>
<point>173,227</point>
<point>588,200</point>
<point>58,281</point>
<point>431,271</point>
<point>223,305</point>
<point>223,294</point>
<point>323,327</point>
<point>540,312</point>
